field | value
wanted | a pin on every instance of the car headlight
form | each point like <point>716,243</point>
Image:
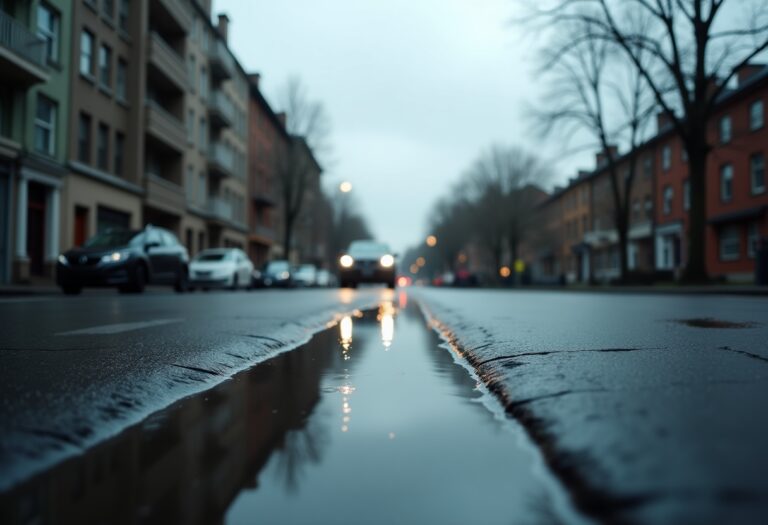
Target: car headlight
<point>63,260</point>
<point>283,276</point>
<point>346,261</point>
<point>387,261</point>
<point>114,257</point>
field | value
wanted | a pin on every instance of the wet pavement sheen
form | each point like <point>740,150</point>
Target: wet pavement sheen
<point>371,422</point>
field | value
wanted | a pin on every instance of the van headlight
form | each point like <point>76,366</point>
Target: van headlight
<point>346,261</point>
<point>114,257</point>
<point>63,260</point>
<point>387,261</point>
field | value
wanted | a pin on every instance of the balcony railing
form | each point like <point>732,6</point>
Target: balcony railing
<point>222,63</point>
<point>220,208</point>
<point>221,159</point>
<point>168,61</point>
<point>165,126</point>
<point>23,43</point>
<point>222,110</point>
<point>265,232</point>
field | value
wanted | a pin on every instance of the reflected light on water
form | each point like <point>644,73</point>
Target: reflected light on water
<point>346,295</point>
<point>402,300</point>
<point>345,329</point>
<point>386,317</point>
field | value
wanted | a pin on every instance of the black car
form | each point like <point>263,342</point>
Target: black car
<point>127,259</point>
<point>367,262</point>
<point>276,274</point>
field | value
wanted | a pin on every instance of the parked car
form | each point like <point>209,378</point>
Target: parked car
<point>127,259</point>
<point>325,279</point>
<point>221,268</point>
<point>367,262</point>
<point>305,275</point>
<point>277,274</point>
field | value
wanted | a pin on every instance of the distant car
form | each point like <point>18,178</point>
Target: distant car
<point>305,275</point>
<point>127,259</point>
<point>325,279</point>
<point>221,268</point>
<point>367,262</point>
<point>277,274</point>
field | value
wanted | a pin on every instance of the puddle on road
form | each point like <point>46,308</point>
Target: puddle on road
<point>371,422</point>
<point>708,322</point>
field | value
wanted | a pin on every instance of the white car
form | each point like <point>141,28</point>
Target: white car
<point>305,275</point>
<point>220,268</point>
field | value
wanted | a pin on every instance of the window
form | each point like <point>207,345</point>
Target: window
<point>191,69</point>
<point>121,79</point>
<point>666,158</point>
<point>102,147</point>
<point>105,66</point>
<point>119,154</point>
<point>189,184</point>
<point>123,14</point>
<point>201,191</point>
<point>203,83</point>
<point>191,126</point>
<point>753,237</point>
<point>84,138</point>
<point>756,115</point>
<point>669,195</point>
<point>648,167</point>
<point>726,182</point>
<point>757,173</point>
<point>725,130</point>
<point>86,53</point>
<point>108,8</point>
<point>687,195</point>
<point>202,134</point>
<point>648,206</point>
<point>729,243</point>
<point>48,30</point>
<point>45,126</point>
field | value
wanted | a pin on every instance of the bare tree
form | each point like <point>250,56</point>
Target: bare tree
<point>593,91</point>
<point>298,168</point>
<point>696,47</point>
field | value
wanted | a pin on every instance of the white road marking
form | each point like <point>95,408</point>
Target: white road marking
<point>119,328</point>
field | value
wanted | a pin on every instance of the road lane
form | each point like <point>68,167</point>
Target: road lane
<point>63,393</point>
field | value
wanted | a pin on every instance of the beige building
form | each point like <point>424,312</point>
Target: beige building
<point>158,131</point>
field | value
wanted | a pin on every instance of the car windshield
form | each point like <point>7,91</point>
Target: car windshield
<point>114,239</point>
<point>213,256</point>
<point>368,249</point>
<point>278,266</point>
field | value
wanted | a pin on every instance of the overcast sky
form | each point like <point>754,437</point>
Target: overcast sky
<point>415,90</point>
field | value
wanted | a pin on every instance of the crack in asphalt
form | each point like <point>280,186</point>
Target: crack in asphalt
<point>198,369</point>
<point>548,352</point>
<point>516,404</point>
<point>744,352</point>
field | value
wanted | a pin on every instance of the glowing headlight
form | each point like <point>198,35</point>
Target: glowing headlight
<point>387,261</point>
<point>63,260</point>
<point>346,261</point>
<point>114,257</point>
<point>284,275</point>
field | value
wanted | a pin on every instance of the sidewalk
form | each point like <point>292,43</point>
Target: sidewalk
<point>671,288</point>
<point>11,290</point>
<point>650,408</point>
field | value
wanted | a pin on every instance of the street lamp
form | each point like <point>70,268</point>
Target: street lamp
<point>345,187</point>
<point>431,241</point>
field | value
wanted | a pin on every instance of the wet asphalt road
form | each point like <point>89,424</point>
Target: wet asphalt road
<point>644,407</point>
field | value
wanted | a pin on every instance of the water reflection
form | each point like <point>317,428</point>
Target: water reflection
<point>345,335</point>
<point>386,318</point>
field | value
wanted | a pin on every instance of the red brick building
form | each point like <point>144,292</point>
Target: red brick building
<point>737,201</point>
<point>267,134</point>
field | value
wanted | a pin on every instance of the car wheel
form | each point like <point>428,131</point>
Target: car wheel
<point>182,281</point>
<point>139,280</point>
<point>71,290</point>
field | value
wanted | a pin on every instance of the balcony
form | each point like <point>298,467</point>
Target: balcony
<point>22,54</point>
<point>221,160</point>
<point>264,199</point>
<point>264,233</point>
<point>220,209</point>
<point>169,71</point>
<point>163,194</point>
<point>221,61</point>
<point>173,13</point>
<point>221,111</point>
<point>165,128</point>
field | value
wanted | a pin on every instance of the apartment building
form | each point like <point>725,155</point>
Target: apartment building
<point>268,139</point>
<point>34,109</point>
<point>737,201</point>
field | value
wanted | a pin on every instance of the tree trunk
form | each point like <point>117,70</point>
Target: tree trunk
<point>696,268</point>
<point>513,250</point>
